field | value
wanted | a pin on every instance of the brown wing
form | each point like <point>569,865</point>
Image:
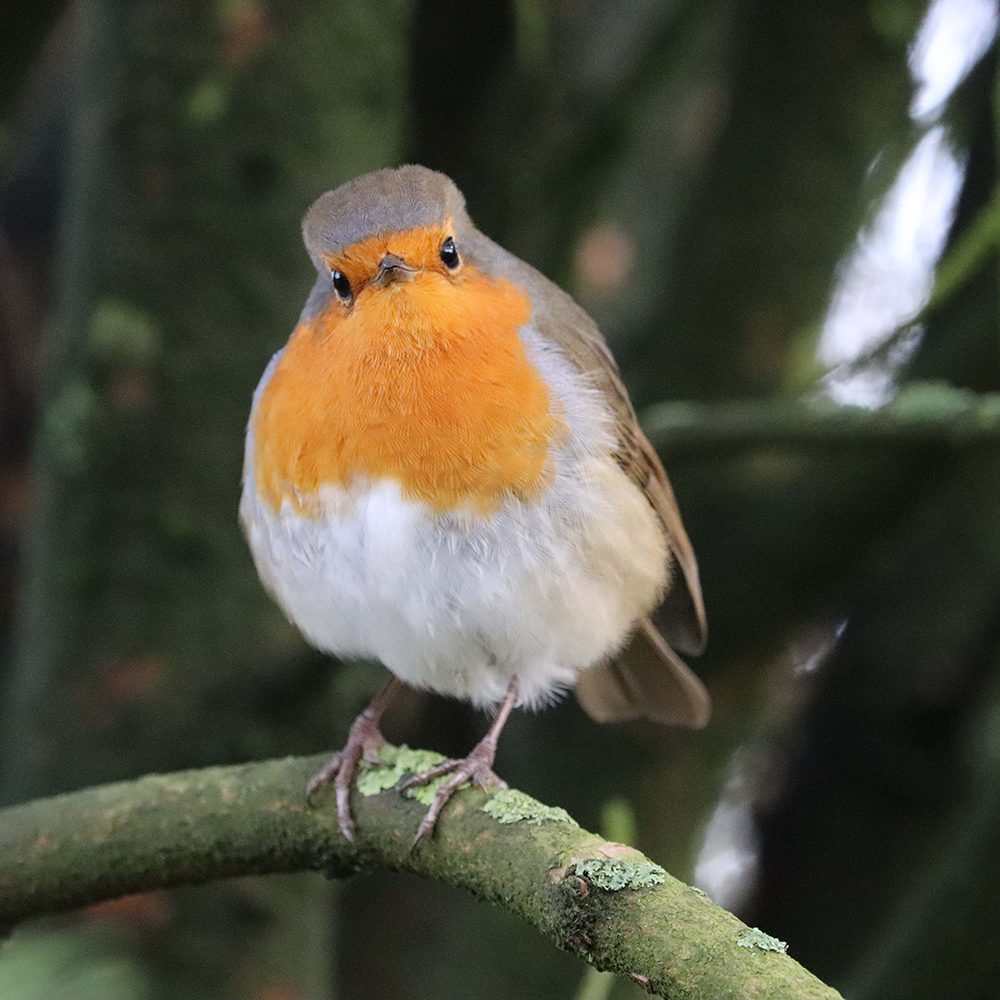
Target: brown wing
<point>647,678</point>
<point>683,614</point>
<point>647,681</point>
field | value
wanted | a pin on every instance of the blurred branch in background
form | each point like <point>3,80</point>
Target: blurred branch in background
<point>921,414</point>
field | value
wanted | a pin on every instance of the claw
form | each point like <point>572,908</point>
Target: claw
<point>477,768</point>
<point>426,777</point>
<point>364,742</point>
<point>322,777</point>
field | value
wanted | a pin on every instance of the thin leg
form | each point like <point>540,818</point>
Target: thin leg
<point>477,767</point>
<point>364,741</point>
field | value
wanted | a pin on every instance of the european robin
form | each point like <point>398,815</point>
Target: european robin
<point>444,472</point>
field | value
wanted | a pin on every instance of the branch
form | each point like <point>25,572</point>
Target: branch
<point>924,413</point>
<point>195,826</point>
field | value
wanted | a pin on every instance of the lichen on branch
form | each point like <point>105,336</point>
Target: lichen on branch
<point>605,902</point>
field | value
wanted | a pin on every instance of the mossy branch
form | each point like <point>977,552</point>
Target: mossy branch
<point>604,902</point>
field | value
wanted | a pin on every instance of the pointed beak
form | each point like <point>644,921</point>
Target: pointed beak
<point>392,268</point>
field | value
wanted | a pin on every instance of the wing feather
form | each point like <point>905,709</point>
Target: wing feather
<point>647,678</point>
<point>683,614</point>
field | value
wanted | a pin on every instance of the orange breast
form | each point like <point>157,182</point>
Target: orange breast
<point>425,382</point>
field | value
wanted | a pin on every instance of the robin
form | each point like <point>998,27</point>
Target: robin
<point>444,472</point>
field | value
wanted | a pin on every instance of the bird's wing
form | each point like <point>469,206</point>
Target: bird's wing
<point>683,613</point>
<point>648,680</point>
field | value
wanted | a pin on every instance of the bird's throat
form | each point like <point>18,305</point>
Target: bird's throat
<point>426,383</point>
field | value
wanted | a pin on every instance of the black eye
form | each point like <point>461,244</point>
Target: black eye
<point>341,285</point>
<point>449,254</point>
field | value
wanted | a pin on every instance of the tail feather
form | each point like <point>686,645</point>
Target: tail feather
<point>647,680</point>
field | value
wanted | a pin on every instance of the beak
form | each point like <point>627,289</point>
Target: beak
<point>392,268</point>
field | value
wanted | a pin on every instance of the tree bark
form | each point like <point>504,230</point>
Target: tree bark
<point>194,826</point>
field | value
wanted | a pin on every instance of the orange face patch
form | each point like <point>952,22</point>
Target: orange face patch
<point>424,381</point>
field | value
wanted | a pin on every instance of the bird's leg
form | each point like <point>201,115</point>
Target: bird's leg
<point>477,767</point>
<point>364,741</point>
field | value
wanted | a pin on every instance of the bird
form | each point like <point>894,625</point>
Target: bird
<point>444,473</point>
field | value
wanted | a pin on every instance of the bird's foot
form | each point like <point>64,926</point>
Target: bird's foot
<point>364,743</point>
<point>477,768</point>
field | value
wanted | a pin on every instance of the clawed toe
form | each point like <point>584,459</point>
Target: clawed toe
<point>322,777</point>
<point>477,768</point>
<point>426,777</point>
<point>364,743</point>
<point>340,771</point>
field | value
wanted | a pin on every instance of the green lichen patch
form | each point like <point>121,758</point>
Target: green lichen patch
<point>755,938</point>
<point>424,794</point>
<point>613,874</point>
<point>511,806</point>
<point>396,762</point>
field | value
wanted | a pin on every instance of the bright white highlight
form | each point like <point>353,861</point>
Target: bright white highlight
<point>953,38</point>
<point>727,862</point>
<point>889,274</point>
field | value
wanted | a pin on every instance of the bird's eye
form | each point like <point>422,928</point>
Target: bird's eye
<point>449,254</point>
<point>341,284</point>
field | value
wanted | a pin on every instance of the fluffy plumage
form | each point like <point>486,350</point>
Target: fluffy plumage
<point>552,531</point>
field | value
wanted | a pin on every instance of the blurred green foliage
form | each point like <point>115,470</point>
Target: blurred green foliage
<point>47,964</point>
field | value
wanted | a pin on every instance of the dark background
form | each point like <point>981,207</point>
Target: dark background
<point>751,196</point>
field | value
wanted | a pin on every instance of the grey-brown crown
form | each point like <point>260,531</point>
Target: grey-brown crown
<point>380,202</point>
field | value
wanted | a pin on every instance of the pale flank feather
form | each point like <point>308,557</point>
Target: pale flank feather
<point>647,678</point>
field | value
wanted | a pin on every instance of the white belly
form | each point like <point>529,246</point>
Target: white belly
<point>460,603</point>
<point>453,603</point>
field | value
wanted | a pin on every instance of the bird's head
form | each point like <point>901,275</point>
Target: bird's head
<point>391,240</point>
